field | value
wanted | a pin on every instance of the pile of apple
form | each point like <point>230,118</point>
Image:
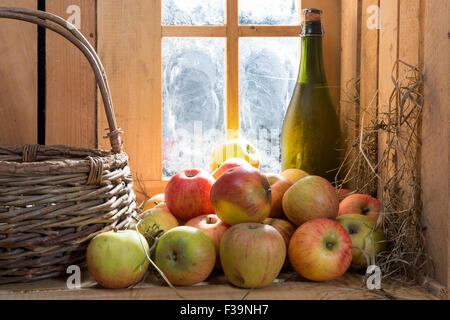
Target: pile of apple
<point>248,224</point>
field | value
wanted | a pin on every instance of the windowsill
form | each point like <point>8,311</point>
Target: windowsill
<point>288,286</point>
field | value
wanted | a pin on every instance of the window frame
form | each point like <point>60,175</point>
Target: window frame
<point>231,31</point>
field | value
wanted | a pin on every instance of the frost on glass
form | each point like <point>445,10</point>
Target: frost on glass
<point>268,12</point>
<point>268,70</point>
<point>193,101</point>
<point>193,12</point>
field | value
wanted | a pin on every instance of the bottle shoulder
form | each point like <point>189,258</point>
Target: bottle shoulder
<point>311,94</point>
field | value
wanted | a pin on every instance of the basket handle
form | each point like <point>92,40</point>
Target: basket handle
<point>71,33</point>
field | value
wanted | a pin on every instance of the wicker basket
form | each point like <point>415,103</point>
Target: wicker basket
<point>54,199</point>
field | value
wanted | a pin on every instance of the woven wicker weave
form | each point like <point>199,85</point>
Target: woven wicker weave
<point>54,199</point>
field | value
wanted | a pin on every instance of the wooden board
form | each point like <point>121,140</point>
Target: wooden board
<point>410,21</point>
<point>388,55</point>
<point>232,70</point>
<point>18,78</point>
<point>71,88</point>
<point>130,48</point>
<point>369,63</point>
<point>436,138</point>
<point>350,73</point>
<point>288,286</point>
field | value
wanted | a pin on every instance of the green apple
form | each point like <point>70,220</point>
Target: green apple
<point>214,228</point>
<point>186,255</point>
<point>116,259</point>
<point>360,229</point>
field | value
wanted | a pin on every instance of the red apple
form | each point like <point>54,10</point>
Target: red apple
<point>116,259</point>
<point>284,227</point>
<point>185,255</point>
<point>310,198</point>
<point>252,254</point>
<point>213,227</point>
<point>343,193</point>
<point>320,250</point>
<point>294,175</point>
<point>360,204</point>
<point>240,195</point>
<point>187,194</point>
<point>229,164</point>
<point>279,185</point>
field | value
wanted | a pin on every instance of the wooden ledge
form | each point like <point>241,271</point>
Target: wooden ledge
<point>289,286</point>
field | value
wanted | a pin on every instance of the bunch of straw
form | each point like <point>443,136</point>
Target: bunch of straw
<point>383,161</point>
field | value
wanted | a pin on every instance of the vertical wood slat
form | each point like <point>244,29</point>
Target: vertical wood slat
<point>18,78</point>
<point>232,69</point>
<point>435,153</point>
<point>71,88</point>
<point>331,45</point>
<point>409,47</point>
<point>350,72</point>
<point>130,48</point>
<point>387,58</point>
<point>369,63</point>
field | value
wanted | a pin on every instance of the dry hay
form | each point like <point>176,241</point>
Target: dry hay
<point>383,161</point>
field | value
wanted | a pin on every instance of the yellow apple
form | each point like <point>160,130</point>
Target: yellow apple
<point>310,198</point>
<point>153,202</point>
<point>157,217</point>
<point>294,174</point>
<point>235,148</point>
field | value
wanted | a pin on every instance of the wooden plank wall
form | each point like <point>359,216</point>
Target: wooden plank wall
<point>70,110</point>
<point>436,136</point>
<point>18,78</point>
<point>71,89</point>
<point>130,49</point>
<point>415,31</point>
<point>350,67</point>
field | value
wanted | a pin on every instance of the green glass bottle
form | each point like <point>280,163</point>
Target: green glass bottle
<point>311,135</point>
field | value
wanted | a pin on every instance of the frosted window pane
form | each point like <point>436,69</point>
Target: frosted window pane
<point>268,12</point>
<point>193,101</point>
<point>268,70</point>
<point>193,12</point>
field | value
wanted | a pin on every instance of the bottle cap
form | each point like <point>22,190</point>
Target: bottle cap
<point>312,15</point>
<point>312,23</point>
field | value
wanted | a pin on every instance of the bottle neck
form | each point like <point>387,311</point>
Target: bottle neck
<point>311,63</point>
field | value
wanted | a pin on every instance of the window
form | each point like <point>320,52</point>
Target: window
<point>228,70</point>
